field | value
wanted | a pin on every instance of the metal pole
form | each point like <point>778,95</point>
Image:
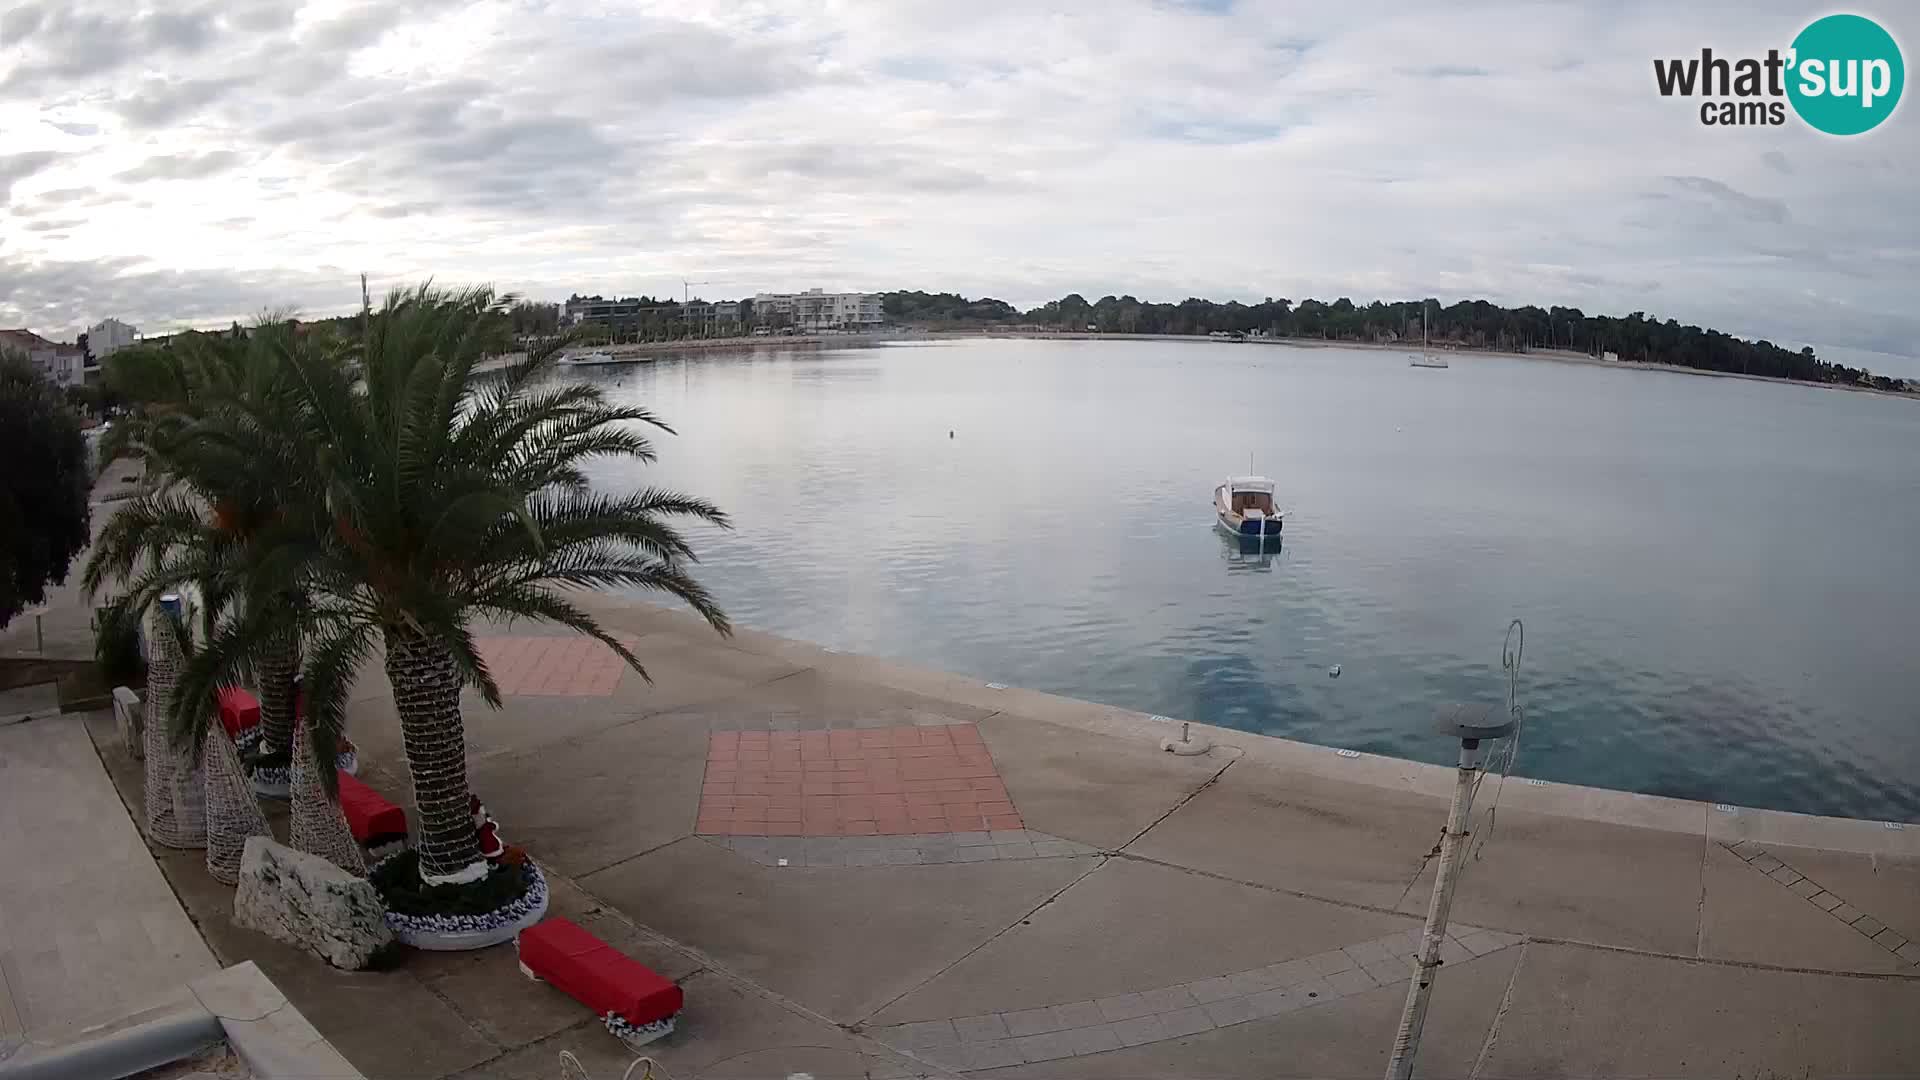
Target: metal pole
<point>1406,1043</point>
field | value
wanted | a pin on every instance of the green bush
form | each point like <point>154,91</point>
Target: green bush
<point>116,644</point>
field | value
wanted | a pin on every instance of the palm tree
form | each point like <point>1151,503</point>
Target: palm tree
<point>205,420</point>
<point>444,495</point>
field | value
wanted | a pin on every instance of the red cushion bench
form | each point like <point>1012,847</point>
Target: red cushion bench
<point>239,714</point>
<point>375,821</point>
<point>638,1004</point>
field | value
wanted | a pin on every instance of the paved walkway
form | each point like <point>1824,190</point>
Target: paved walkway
<point>1246,912</point>
<point>89,930</point>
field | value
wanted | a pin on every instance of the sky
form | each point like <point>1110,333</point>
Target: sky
<point>194,163</point>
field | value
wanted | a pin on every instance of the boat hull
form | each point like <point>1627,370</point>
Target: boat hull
<point>1240,526</point>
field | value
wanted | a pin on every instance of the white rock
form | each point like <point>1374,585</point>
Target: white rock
<point>127,711</point>
<point>307,901</point>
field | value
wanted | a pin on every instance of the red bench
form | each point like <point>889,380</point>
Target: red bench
<point>638,1004</point>
<point>375,821</point>
<point>239,714</point>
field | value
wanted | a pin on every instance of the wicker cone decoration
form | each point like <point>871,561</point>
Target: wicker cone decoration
<point>232,812</point>
<point>163,765</point>
<point>319,828</point>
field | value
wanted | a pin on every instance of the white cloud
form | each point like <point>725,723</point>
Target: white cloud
<point>197,162</point>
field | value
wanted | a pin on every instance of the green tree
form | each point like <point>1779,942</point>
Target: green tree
<point>433,497</point>
<point>44,520</point>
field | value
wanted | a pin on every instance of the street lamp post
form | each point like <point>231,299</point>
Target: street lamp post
<point>1472,725</point>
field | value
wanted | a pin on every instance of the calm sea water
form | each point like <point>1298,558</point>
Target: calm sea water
<point>1718,578</point>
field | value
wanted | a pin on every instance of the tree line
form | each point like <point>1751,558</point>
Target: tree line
<point>1474,324</point>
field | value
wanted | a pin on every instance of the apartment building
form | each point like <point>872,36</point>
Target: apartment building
<point>817,309</point>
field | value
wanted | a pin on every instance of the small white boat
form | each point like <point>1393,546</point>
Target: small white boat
<point>592,358</point>
<point>1244,506</point>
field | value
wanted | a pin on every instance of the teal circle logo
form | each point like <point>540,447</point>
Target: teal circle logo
<point>1846,74</point>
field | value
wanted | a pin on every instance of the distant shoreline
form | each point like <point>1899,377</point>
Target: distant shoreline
<point>1558,356</point>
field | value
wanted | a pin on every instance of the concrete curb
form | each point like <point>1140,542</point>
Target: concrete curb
<point>240,1006</point>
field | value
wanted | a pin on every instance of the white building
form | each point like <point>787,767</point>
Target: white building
<point>818,310</point>
<point>108,336</point>
<point>64,365</point>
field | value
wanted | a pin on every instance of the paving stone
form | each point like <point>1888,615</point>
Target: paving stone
<point>1252,982</point>
<point>1390,973</point>
<point>909,857</point>
<point>1079,1014</point>
<point>1056,849</point>
<point>1032,1021</point>
<point>826,858</point>
<point>1806,887</point>
<point>1011,836</point>
<point>1784,874</point>
<point>1825,901</point>
<point>1480,944</point>
<point>867,858</point>
<point>1274,1002</point>
<point>946,1057</point>
<point>1015,851</point>
<point>921,1036</point>
<point>1139,1029</point>
<point>1327,963</point>
<point>972,839</point>
<point>1188,1021</point>
<point>1352,981</point>
<point>1094,1040</point>
<point>1048,1047</point>
<point>1767,864</point>
<point>1233,1010</point>
<point>1169,998</point>
<point>1368,952</point>
<point>1124,1007</point>
<point>974,854</point>
<point>1889,939</point>
<point>1292,973</point>
<point>1315,991</point>
<point>981,1028</point>
<point>1846,913</point>
<point>1207,990</point>
<point>1910,952</point>
<point>1868,925</point>
<point>992,1055</point>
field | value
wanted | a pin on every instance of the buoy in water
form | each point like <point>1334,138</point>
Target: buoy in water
<point>1333,672</point>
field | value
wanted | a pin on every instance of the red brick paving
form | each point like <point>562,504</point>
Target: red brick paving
<point>553,666</point>
<point>852,782</point>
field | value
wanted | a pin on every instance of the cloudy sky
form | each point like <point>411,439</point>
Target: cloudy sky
<point>191,163</point>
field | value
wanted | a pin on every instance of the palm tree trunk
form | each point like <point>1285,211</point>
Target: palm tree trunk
<point>279,662</point>
<point>426,694</point>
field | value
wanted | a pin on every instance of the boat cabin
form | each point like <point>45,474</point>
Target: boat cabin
<point>1250,493</point>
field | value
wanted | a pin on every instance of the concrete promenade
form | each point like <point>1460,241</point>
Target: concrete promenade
<point>860,868</point>
<point>88,928</point>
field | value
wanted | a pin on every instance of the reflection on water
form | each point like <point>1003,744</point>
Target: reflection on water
<point>1716,575</point>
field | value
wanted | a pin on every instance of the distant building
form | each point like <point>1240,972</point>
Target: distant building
<point>818,310</point>
<point>64,364</point>
<point>620,316</point>
<point>109,336</point>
